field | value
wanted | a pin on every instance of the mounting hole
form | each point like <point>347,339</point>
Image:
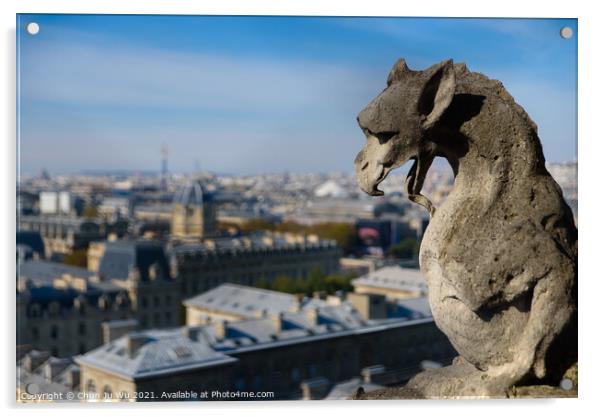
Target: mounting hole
<point>32,389</point>
<point>566,384</point>
<point>33,28</point>
<point>566,32</point>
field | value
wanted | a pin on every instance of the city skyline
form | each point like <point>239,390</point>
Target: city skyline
<point>231,93</point>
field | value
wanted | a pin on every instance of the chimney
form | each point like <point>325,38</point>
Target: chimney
<point>114,329</point>
<point>34,359</point>
<point>373,374</point>
<point>73,377</point>
<point>134,342</point>
<point>370,306</point>
<point>221,329</point>
<point>54,366</point>
<point>315,388</point>
<point>313,315</point>
<point>262,313</point>
<point>277,321</point>
<point>191,332</point>
<point>319,295</point>
<point>296,305</point>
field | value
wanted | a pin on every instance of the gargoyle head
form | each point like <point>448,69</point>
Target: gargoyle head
<point>397,124</point>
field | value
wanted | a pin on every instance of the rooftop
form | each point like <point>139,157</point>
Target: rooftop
<point>253,243</point>
<point>158,351</point>
<point>50,281</point>
<point>39,373</point>
<point>121,256</point>
<point>155,352</point>
<point>246,302</point>
<point>193,193</point>
<point>42,272</point>
<point>394,278</point>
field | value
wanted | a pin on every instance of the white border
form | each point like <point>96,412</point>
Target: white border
<point>589,175</point>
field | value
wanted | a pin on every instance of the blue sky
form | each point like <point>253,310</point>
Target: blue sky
<point>248,95</point>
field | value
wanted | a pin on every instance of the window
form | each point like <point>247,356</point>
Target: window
<point>107,392</point>
<point>167,317</point>
<point>35,334</point>
<point>295,375</point>
<point>257,382</point>
<point>157,319</point>
<point>144,302</point>
<point>90,386</point>
<point>35,310</point>
<point>157,301</point>
<point>239,384</point>
<point>81,328</point>
<point>313,370</point>
<point>54,331</point>
<point>82,348</point>
<point>168,300</point>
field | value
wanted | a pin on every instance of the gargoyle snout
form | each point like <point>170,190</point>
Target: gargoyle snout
<point>368,173</point>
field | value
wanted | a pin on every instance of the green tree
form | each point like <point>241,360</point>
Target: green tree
<point>315,281</point>
<point>287,284</point>
<point>408,248</point>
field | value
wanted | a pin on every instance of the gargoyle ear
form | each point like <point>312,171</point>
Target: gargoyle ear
<point>399,70</point>
<point>437,93</point>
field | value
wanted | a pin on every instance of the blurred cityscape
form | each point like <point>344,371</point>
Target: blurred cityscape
<point>163,286</point>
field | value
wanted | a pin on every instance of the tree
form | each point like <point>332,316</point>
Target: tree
<point>315,281</point>
<point>408,248</point>
<point>344,234</point>
<point>90,212</point>
<point>77,258</point>
<point>286,284</point>
<point>255,225</point>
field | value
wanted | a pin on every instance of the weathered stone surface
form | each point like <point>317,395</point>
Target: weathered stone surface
<point>526,391</point>
<point>500,255</point>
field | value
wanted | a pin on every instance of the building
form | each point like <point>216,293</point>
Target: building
<point>237,302</point>
<point>45,378</point>
<point>377,235</point>
<point>193,213</point>
<point>145,281</point>
<point>283,352</point>
<point>394,282</point>
<point>142,268</point>
<point>331,189</point>
<point>60,308</point>
<point>30,245</point>
<point>115,207</point>
<point>251,260</point>
<point>565,175</point>
<point>154,212</point>
<point>63,234</point>
<point>55,202</point>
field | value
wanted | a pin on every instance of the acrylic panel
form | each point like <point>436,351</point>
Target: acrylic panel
<point>261,208</point>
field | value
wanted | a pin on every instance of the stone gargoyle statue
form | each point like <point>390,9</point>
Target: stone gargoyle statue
<point>500,254</point>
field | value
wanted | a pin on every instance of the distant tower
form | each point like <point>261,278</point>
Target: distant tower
<point>164,156</point>
<point>194,212</point>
